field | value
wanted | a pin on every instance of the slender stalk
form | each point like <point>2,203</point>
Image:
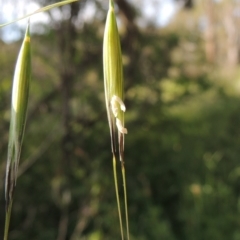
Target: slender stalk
<point>117,195</point>
<point>7,220</point>
<point>125,199</point>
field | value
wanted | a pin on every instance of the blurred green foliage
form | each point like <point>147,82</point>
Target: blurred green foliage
<point>181,153</point>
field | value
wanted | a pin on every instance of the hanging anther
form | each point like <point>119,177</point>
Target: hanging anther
<point>115,101</point>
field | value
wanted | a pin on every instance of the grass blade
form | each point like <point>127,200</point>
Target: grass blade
<point>43,9</point>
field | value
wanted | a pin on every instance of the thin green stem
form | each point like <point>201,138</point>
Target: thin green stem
<point>125,199</point>
<point>117,195</point>
<point>7,220</point>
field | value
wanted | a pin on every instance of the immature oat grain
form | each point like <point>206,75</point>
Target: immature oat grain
<point>113,77</point>
<point>20,91</point>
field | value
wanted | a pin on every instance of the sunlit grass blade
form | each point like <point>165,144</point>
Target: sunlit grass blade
<point>20,91</point>
<point>43,9</point>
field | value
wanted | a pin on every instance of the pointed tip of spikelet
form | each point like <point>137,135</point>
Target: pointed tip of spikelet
<point>27,34</point>
<point>111,4</point>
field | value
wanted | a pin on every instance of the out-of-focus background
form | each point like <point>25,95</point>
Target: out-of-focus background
<point>182,93</point>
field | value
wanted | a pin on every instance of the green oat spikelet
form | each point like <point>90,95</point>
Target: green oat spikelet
<point>20,91</point>
<point>113,86</point>
<point>113,78</point>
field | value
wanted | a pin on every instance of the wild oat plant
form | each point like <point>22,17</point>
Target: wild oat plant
<point>113,86</point>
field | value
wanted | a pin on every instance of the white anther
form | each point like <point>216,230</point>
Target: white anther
<point>114,107</point>
<point>114,103</point>
<point>120,126</point>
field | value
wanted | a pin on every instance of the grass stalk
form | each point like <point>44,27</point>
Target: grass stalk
<point>7,220</point>
<point>117,196</point>
<point>125,198</point>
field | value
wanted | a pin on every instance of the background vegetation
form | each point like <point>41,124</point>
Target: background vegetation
<point>182,85</point>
